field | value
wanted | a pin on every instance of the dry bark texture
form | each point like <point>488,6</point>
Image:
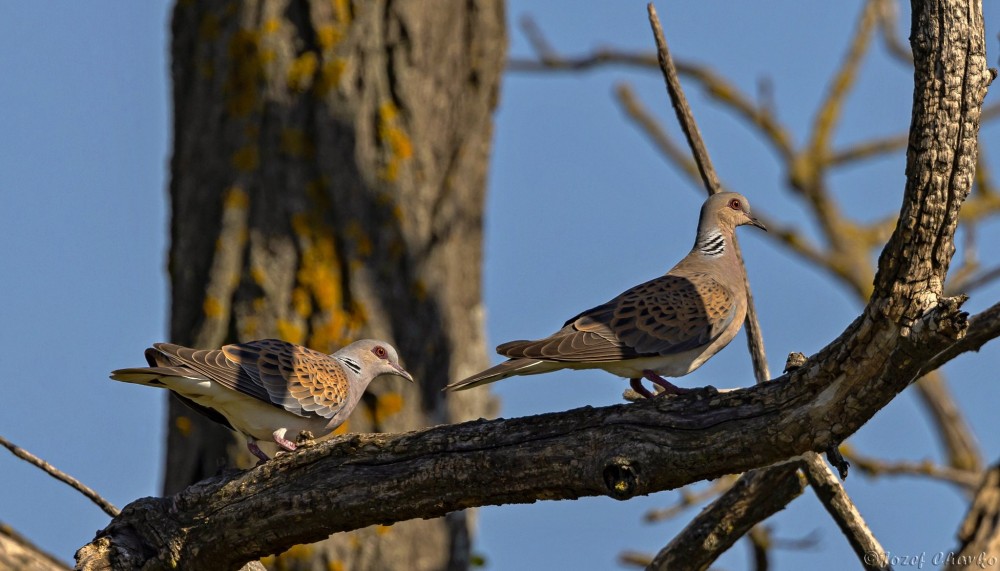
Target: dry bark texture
<point>328,182</point>
<point>908,328</point>
<point>979,533</point>
<point>18,553</point>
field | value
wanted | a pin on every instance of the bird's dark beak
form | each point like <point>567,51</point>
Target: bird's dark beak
<point>402,373</point>
<point>757,223</point>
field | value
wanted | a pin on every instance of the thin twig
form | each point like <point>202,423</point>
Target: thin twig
<point>51,470</point>
<point>829,112</point>
<point>887,16</point>
<point>833,497</point>
<point>867,150</point>
<point>875,467</point>
<point>788,236</point>
<point>690,499</point>
<point>974,281</point>
<point>681,107</point>
<point>952,429</point>
<point>634,559</point>
<point>760,542</point>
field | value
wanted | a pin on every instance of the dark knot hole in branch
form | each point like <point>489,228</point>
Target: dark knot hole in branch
<point>621,476</point>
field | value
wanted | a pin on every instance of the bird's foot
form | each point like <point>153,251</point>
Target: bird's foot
<point>280,440</point>
<point>637,387</point>
<point>256,451</point>
<point>668,387</point>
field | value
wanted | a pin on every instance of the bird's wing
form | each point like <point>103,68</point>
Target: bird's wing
<point>301,381</point>
<point>666,315</point>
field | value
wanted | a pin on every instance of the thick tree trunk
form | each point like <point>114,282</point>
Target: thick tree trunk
<point>327,184</point>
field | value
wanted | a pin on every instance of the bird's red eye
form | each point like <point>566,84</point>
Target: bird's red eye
<point>380,351</point>
<point>735,204</point>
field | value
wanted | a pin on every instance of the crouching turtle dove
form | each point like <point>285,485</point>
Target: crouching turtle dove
<point>668,326</point>
<point>268,390</point>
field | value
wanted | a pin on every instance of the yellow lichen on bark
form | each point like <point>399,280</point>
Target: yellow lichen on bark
<point>343,428</point>
<point>328,35</point>
<point>329,78</point>
<point>290,559</point>
<point>394,140</point>
<point>271,25</point>
<point>183,425</point>
<point>291,331</point>
<point>387,405</point>
<point>318,293</point>
<point>342,11</point>
<point>302,71</point>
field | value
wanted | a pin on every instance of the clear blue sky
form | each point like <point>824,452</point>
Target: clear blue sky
<point>580,207</point>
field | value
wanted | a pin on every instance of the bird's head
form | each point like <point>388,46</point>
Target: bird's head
<point>730,209</point>
<point>379,357</point>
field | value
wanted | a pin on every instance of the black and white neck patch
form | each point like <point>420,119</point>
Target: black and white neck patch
<point>350,364</point>
<point>711,244</point>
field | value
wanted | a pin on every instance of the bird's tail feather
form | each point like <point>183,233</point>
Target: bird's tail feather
<point>149,375</point>
<point>506,369</point>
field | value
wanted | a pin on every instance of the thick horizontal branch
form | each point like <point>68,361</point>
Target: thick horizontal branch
<point>613,451</point>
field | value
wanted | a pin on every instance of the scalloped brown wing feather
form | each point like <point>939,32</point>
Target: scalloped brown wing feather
<point>302,381</point>
<point>666,315</point>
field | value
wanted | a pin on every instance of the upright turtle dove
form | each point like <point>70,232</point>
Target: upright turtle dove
<point>668,326</point>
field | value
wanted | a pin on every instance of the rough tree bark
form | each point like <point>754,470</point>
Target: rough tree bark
<point>16,552</point>
<point>327,184</point>
<point>907,329</point>
<point>979,534</point>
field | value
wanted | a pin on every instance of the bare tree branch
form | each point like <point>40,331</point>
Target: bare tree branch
<point>836,501</point>
<point>690,499</point>
<point>979,534</point>
<point>792,238</point>
<point>983,327</point>
<point>876,467</point>
<point>828,115</point>
<point>953,432</point>
<point>634,559</point>
<point>755,497</point>
<point>63,477</point>
<point>17,553</point>
<point>888,11</point>
<point>869,149</point>
<point>225,521</point>
<point>759,538</point>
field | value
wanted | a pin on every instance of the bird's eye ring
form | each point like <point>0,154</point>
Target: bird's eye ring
<point>735,204</point>
<point>379,351</point>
